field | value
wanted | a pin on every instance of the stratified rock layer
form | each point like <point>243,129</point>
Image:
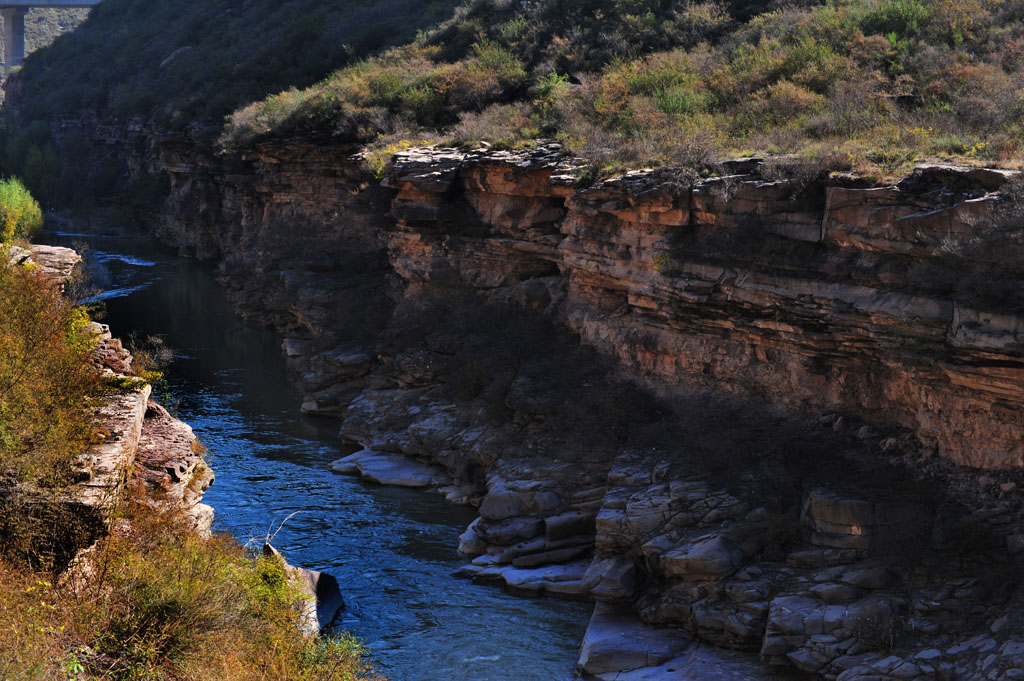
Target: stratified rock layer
<point>840,331</point>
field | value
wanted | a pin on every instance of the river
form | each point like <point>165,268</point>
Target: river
<point>392,550</point>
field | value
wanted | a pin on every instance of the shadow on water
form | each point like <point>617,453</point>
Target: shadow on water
<point>392,550</point>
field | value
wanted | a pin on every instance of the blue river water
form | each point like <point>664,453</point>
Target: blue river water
<point>392,550</point>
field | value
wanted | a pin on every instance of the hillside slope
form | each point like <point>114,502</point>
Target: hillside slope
<point>870,85</point>
<point>180,62</point>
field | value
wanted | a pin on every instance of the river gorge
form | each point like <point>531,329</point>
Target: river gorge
<point>737,407</point>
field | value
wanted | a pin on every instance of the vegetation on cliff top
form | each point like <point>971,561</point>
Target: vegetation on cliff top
<point>45,378</point>
<point>868,85</point>
<point>872,84</point>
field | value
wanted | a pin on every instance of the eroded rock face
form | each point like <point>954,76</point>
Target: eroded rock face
<point>170,469</point>
<point>139,449</point>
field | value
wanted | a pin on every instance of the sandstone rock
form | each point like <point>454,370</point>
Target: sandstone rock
<point>807,660</point>
<point>702,664</point>
<point>56,262</point>
<point>344,466</point>
<point>788,614</point>
<point>835,593</point>
<point>506,554</point>
<point>563,580</point>
<point>297,347</point>
<point>430,170</point>
<point>105,464</point>
<point>703,558</point>
<point>569,524</point>
<point>868,577</point>
<point>323,604</point>
<point>838,521</point>
<point>706,325</point>
<point>170,471</point>
<point>503,502</point>
<point>553,556</point>
<point>512,530</point>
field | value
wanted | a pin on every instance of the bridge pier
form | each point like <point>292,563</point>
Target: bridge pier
<point>14,35</point>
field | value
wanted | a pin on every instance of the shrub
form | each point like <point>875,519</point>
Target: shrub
<point>45,378</point>
<point>899,18</point>
<point>784,102</point>
<point>20,214</point>
<point>503,125</point>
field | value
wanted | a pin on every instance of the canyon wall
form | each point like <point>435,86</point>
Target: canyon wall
<point>835,326</point>
<point>821,371</point>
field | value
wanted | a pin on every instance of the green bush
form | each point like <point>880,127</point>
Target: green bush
<point>899,18</point>
<point>20,215</point>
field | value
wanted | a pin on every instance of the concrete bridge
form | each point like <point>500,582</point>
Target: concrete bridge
<point>13,14</point>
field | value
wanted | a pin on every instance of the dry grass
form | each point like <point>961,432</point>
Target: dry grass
<point>155,601</point>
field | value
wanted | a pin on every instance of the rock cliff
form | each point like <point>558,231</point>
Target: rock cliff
<point>827,377</point>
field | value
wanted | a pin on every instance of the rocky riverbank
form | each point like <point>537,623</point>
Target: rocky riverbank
<point>802,491</point>
<point>145,455</point>
<point>141,450</point>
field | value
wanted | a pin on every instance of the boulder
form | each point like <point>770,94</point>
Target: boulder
<point>323,604</point>
<point>511,531</point>
<point>569,524</point>
<point>470,542</point>
<point>503,501</point>
<point>837,520</point>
